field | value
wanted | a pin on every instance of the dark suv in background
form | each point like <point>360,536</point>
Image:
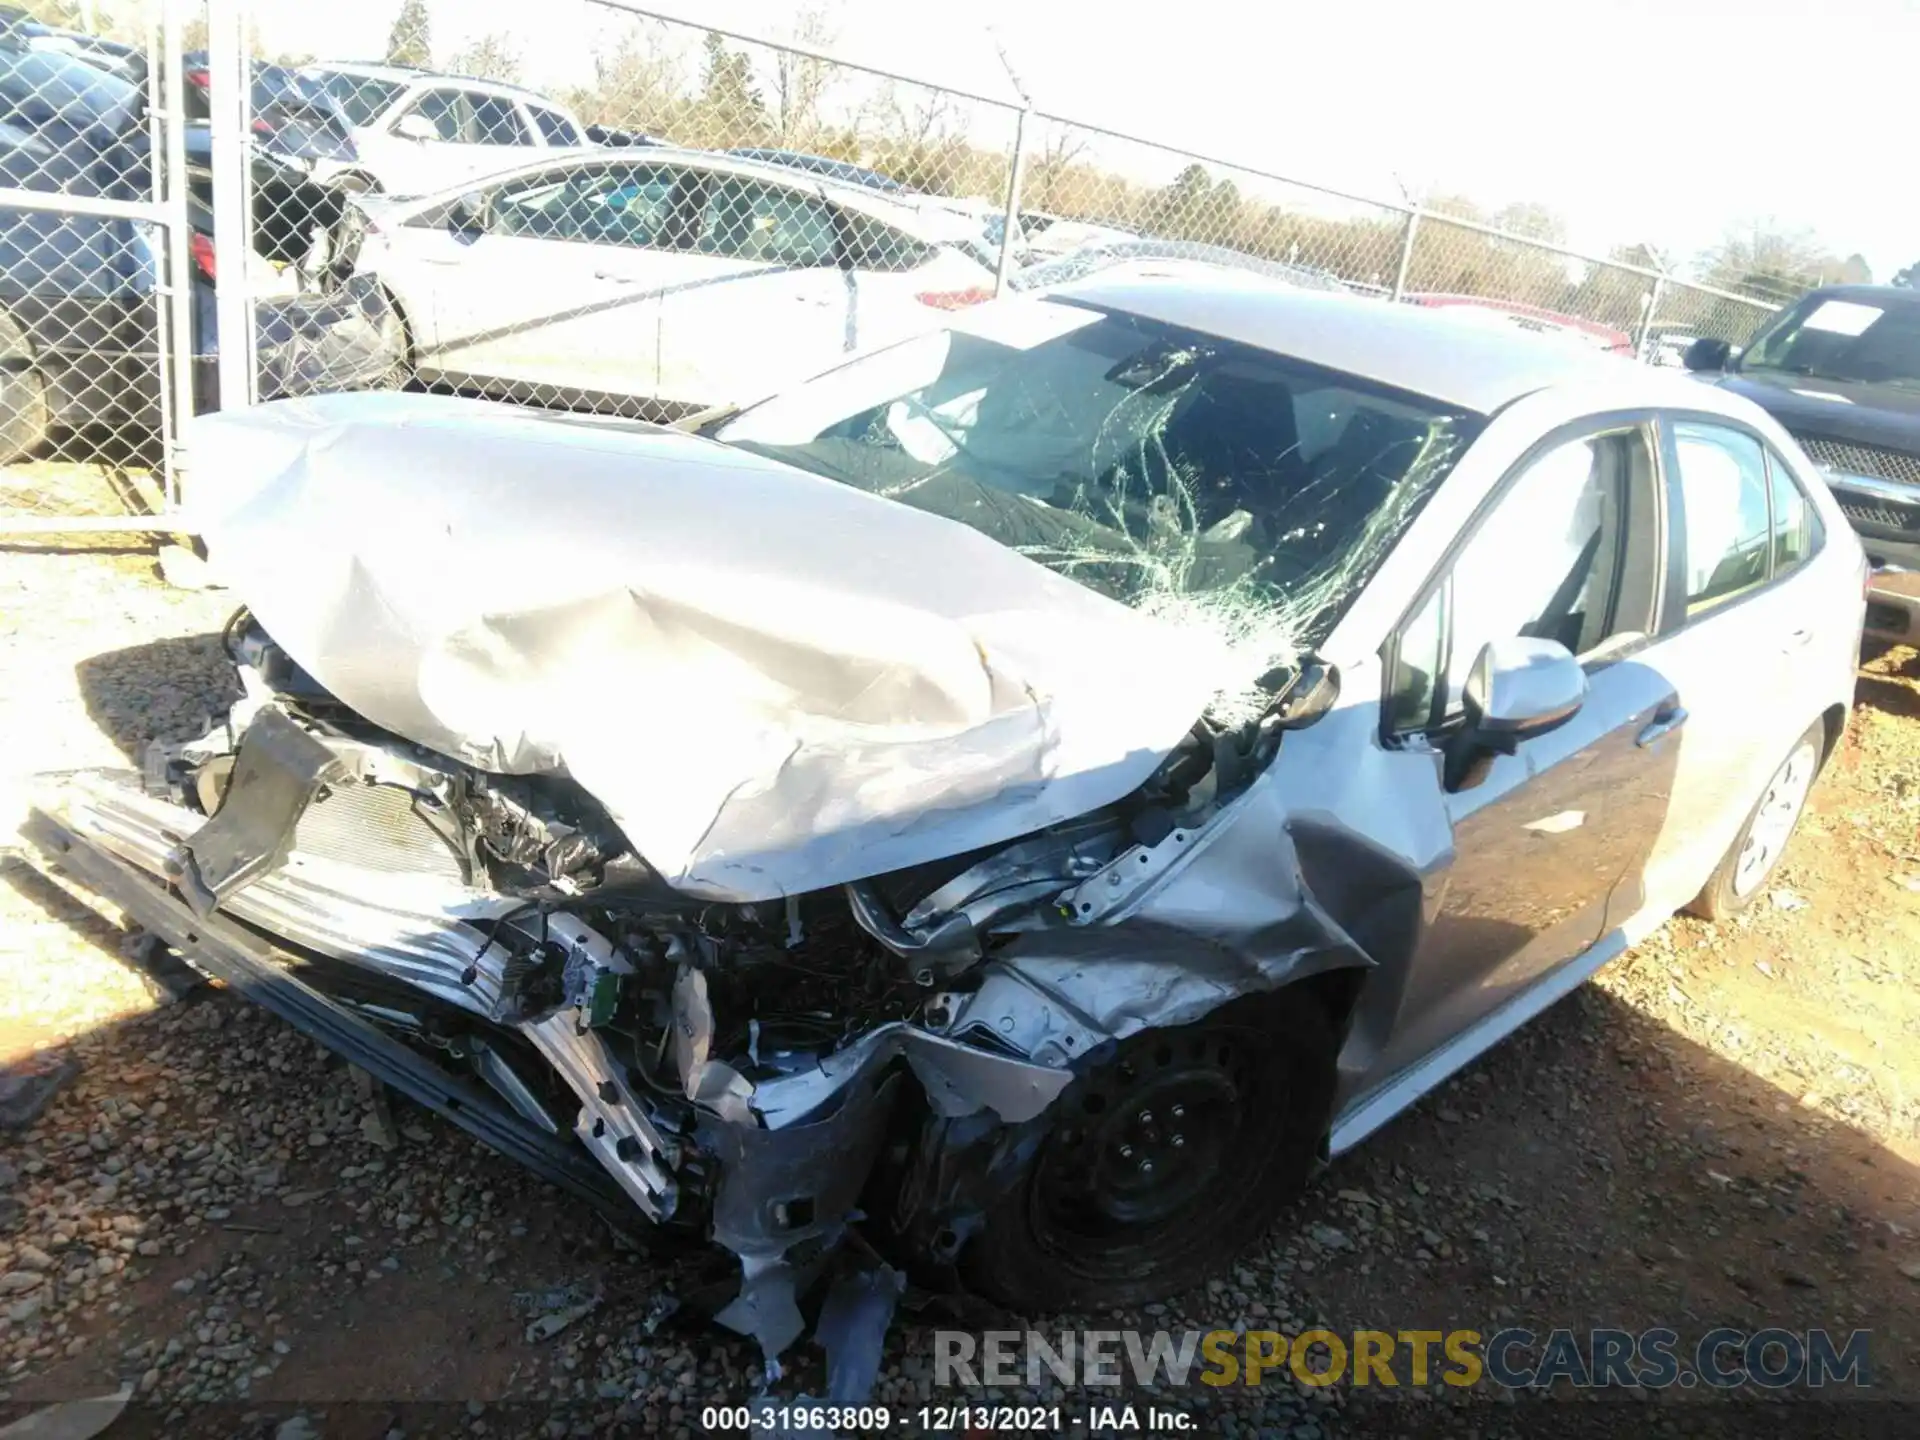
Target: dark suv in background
<point>1840,368</point>
<point>79,305</point>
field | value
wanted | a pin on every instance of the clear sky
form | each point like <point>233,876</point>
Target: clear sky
<point>1662,121</point>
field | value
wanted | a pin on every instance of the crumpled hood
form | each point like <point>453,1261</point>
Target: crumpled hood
<point>773,682</point>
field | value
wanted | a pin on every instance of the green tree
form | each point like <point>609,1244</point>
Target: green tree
<point>410,41</point>
<point>1909,277</point>
<point>1854,270</point>
<point>1180,211</point>
<point>731,109</point>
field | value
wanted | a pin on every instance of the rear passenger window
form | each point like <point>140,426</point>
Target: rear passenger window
<point>872,245</point>
<point>1794,526</point>
<point>746,220</point>
<point>1724,483</point>
<point>555,128</point>
<point>496,121</point>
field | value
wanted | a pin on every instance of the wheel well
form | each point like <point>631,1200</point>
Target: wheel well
<point>1834,721</point>
<point>1336,992</point>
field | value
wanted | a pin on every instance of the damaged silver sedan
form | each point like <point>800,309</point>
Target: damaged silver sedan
<point>1026,794</point>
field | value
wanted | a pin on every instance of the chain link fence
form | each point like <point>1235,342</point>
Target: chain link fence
<point>691,220</point>
<point>90,273</point>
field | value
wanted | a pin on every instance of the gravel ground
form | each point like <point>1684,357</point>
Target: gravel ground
<point>1724,1128</point>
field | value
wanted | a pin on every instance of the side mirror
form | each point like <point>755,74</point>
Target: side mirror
<point>1708,354</point>
<point>468,214</point>
<point>1517,689</point>
<point>415,127</point>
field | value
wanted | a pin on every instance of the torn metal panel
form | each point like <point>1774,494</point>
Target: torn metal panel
<point>839,687</point>
<point>1254,899</point>
<point>276,772</point>
<point>853,1329</point>
<point>767,1309</point>
<point>704,1080</point>
<point>959,1079</point>
<point>783,1201</point>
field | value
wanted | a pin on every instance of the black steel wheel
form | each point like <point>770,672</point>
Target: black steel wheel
<point>1164,1160</point>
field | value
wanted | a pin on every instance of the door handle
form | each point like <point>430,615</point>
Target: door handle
<point>1666,720</point>
<point>616,279</point>
<point>1798,639</point>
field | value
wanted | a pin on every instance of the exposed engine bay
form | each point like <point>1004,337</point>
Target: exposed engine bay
<point>756,1074</point>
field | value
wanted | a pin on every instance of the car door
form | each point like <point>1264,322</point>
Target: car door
<point>1740,633</point>
<point>756,298</point>
<point>543,296</point>
<point>1568,550</point>
<point>499,136</point>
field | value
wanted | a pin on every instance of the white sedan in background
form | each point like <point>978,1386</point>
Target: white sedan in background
<point>659,280</point>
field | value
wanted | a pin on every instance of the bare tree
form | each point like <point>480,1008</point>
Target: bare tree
<point>1047,169</point>
<point>639,84</point>
<point>491,57</point>
<point>800,82</point>
<point>1764,258</point>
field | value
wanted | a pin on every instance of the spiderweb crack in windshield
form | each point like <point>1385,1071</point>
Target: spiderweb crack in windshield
<point>1172,553</point>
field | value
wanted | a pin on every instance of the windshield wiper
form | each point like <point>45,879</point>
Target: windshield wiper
<point>701,420</point>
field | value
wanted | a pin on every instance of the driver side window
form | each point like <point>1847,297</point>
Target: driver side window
<point>1569,552</point>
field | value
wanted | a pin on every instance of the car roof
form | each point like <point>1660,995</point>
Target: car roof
<point>1884,296</point>
<point>918,215</point>
<point>1416,348</point>
<point>409,75</point>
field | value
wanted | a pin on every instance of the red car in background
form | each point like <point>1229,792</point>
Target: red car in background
<point>1545,322</point>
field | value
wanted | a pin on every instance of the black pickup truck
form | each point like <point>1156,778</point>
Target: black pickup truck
<point>1840,369</point>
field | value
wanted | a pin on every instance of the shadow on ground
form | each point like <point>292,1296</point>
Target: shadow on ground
<point>167,689</point>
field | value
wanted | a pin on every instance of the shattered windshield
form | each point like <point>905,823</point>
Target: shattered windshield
<point>1204,481</point>
<point>1843,340</point>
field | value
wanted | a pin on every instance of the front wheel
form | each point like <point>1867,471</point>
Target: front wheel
<point>1756,850</point>
<point>25,417</point>
<point>1165,1161</point>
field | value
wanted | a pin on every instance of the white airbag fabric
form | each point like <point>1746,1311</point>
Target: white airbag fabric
<point>773,682</point>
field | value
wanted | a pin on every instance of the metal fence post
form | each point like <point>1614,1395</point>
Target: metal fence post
<point>230,83</point>
<point>1643,345</point>
<point>1406,252</point>
<point>1014,178</point>
<point>181,346</point>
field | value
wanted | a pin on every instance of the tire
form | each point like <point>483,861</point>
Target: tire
<point>396,335</point>
<point>356,183</point>
<point>1104,1214</point>
<point>1743,871</point>
<point>25,417</point>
